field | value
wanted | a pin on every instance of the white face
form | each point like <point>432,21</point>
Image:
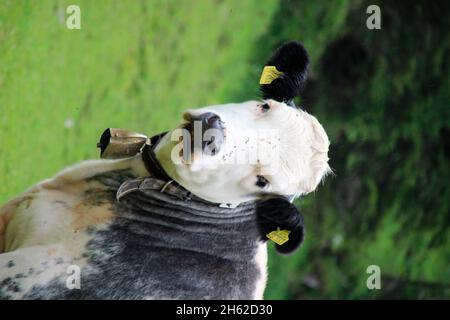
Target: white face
<point>260,147</point>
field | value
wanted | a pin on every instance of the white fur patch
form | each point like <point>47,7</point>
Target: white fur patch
<point>261,262</point>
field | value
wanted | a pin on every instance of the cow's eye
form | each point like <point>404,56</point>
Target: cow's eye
<point>261,181</point>
<point>265,107</point>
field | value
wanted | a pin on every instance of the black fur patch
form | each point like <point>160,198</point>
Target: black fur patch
<point>291,59</point>
<point>274,213</point>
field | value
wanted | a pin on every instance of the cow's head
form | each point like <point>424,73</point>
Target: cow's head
<point>238,152</point>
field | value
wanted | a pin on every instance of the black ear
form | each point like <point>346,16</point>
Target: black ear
<point>279,213</point>
<point>291,59</point>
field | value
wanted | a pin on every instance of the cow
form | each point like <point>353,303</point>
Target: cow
<point>182,215</point>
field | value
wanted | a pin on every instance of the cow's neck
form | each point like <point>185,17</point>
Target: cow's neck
<point>160,219</point>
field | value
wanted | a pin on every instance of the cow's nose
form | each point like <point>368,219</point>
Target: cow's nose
<point>208,132</point>
<point>209,120</point>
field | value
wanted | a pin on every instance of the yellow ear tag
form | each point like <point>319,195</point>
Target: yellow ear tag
<point>279,236</point>
<point>269,74</point>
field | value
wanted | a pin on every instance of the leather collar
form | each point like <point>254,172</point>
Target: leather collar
<point>152,164</point>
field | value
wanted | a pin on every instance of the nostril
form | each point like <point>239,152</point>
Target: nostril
<point>211,120</point>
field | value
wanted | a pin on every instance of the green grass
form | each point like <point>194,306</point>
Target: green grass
<point>382,97</point>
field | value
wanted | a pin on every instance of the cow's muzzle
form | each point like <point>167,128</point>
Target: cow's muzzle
<point>205,132</point>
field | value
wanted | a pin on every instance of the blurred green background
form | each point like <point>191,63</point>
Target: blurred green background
<point>382,95</point>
